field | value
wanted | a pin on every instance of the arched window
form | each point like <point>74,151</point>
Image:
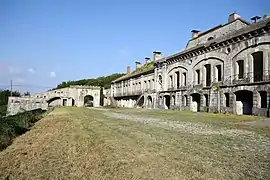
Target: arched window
<point>210,38</point>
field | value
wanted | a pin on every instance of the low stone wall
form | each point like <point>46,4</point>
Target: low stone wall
<point>260,112</point>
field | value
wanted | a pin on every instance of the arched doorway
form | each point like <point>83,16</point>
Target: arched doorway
<point>55,101</point>
<point>196,102</point>
<point>88,101</point>
<point>167,101</point>
<point>244,102</point>
<point>149,102</point>
<point>140,101</point>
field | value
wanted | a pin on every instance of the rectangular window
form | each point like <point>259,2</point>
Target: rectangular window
<point>198,76</point>
<point>218,72</point>
<point>184,79</point>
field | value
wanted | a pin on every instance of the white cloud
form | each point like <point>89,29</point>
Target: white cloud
<point>52,74</point>
<point>31,70</point>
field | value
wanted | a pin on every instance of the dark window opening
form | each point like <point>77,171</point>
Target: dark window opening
<point>208,74</point>
<point>206,100</point>
<point>263,95</point>
<point>258,66</point>
<point>227,99</point>
<point>177,80</point>
<point>240,69</point>
<point>185,79</point>
<point>198,76</point>
<point>185,100</point>
<point>219,72</point>
<point>171,82</point>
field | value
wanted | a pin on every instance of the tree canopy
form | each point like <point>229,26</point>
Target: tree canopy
<point>103,81</point>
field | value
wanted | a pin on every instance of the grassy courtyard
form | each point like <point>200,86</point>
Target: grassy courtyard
<point>81,143</point>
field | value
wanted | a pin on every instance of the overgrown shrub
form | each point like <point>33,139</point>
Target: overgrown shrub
<point>13,126</point>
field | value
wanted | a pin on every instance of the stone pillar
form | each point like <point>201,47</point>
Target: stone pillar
<point>265,64</point>
<point>249,67</point>
<point>122,87</point>
<point>233,102</point>
<point>204,76</point>
<point>164,78</point>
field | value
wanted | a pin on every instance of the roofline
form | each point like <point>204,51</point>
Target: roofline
<point>133,75</point>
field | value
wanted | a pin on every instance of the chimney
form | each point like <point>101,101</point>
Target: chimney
<point>138,64</point>
<point>255,18</point>
<point>128,70</point>
<point>233,17</point>
<point>195,34</point>
<point>147,60</point>
<point>157,55</point>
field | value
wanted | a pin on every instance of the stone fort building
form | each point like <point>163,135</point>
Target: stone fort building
<point>71,96</point>
<point>223,69</point>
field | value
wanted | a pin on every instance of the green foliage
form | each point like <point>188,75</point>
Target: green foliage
<point>103,81</point>
<point>217,85</point>
<point>145,67</point>
<point>13,126</point>
<point>4,94</point>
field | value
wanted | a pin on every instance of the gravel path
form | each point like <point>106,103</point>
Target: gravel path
<point>187,127</point>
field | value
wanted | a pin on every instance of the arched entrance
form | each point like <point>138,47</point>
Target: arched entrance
<point>167,101</point>
<point>149,102</point>
<point>55,101</point>
<point>88,101</point>
<point>244,102</point>
<point>141,101</point>
<point>196,102</point>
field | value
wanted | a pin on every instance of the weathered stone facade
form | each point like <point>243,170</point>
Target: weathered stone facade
<point>71,96</point>
<point>224,69</point>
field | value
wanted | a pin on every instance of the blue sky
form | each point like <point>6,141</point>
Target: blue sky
<point>43,43</point>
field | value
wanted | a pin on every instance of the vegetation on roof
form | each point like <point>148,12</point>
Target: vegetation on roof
<point>145,67</point>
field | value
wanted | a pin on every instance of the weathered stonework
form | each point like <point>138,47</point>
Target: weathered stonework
<point>71,96</point>
<point>224,69</point>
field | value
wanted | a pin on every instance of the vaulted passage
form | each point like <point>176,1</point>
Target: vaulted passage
<point>167,101</point>
<point>196,101</point>
<point>141,101</point>
<point>244,102</point>
<point>55,101</point>
<point>149,102</point>
<point>89,101</point>
<point>258,66</point>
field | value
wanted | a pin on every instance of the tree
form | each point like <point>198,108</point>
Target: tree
<point>103,81</point>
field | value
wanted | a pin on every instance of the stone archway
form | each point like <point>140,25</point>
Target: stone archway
<point>244,102</point>
<point>88,101</point>
<point>141,102</point>
<point>55,101</point>
<point>196,102</point>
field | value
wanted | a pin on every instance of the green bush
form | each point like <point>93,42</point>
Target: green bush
<point>13,126</point>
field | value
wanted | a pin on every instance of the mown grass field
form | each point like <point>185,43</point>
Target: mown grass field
<point>81,143</point>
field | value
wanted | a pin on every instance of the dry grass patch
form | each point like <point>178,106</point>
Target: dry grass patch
<point>80,143</point>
